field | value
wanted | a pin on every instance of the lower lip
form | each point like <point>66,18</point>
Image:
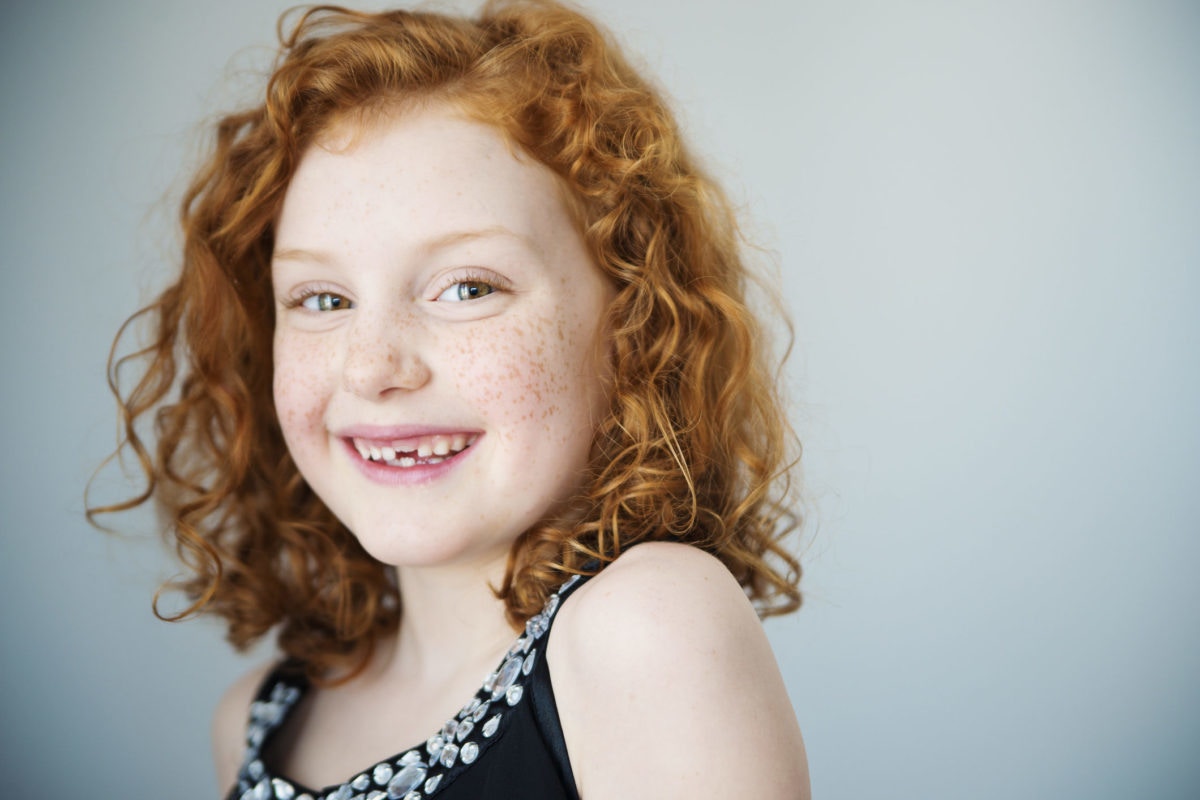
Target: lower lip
<point>416,475</point>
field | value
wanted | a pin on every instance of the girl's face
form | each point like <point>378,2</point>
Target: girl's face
<point>439,356</point>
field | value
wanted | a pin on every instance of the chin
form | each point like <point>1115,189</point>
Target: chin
<point>424,548</point>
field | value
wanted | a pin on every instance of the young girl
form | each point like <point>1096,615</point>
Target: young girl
<point>458,381</point>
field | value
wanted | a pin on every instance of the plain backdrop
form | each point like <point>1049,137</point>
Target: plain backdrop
<point>987,219</point>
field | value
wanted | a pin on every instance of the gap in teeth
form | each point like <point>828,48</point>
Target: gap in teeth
<point>429,449</point>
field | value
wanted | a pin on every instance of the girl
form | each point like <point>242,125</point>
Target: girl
<point>459,324</point>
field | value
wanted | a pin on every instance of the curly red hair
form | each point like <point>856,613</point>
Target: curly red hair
<point>696,447</point>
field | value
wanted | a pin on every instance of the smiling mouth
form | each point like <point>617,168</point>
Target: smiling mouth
<point>412,452</point>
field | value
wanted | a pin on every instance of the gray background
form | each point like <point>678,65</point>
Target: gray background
<point>987,216</point>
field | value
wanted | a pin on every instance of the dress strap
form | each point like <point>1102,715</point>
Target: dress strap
<point>432,767</point>
<point>277,696</point>
<point>541,693</point>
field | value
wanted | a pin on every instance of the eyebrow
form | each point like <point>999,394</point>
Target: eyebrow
<point>436,243</point>
<point>492,231</point>
<point>300,254</point>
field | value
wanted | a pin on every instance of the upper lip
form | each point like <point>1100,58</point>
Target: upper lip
<point>385,433</point>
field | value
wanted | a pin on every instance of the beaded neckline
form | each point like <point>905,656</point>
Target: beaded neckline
<point>423,770</point>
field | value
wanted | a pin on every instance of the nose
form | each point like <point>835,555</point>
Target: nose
<point>383,357</point>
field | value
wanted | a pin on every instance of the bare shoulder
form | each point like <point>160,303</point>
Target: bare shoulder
<point>662,653</point>
<point>662,570</point>
<point>229,724</point>
<point>659,599</point>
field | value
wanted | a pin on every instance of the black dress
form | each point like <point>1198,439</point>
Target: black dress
<point>505,743</point>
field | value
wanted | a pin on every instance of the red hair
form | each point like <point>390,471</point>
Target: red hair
<point>696,447</point>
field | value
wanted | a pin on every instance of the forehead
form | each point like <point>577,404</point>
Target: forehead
<point>430,170</point>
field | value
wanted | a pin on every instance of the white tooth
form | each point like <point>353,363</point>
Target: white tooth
<point>375,454</point>
<point>388,453</point>
<point>361,448</point>
<point>434,460</point>
<point>406,462</point>
<point>458,442</point>
<point>441,445</point>
<point>425,448</point>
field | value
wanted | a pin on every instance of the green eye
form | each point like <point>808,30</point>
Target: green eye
<point>466,290</point>
<point>325,301</point>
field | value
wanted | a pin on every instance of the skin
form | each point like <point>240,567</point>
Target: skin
<point>393,223</point>
<point>381,230</point>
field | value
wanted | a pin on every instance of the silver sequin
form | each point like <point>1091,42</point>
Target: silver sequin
<point>508,674</point>
<point>536,626</point>
<point>405,781</point>
<point>434,746</point>
<point>412,769</point>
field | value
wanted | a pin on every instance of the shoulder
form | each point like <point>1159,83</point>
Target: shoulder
<point>660,588</point>
<point>229,724</point>
<point>659,598</point>
<point>662,653</point>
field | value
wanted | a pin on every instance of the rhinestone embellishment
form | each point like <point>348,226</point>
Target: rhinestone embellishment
<point>508,674</point>
<point>382,774</point>
<point>415,775</point>
<point>527,664</point>
<point>406,780</point>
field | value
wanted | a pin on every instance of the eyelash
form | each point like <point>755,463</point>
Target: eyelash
<point>494,282</point>
<point>300,298</point>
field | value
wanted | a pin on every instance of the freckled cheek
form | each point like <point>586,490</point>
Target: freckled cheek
<point>529,375</point>
<point>300,387</point>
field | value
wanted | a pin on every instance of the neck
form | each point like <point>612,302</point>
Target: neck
<point>448,616</point>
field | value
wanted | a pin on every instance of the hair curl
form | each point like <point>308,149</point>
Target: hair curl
<point>696,447</point>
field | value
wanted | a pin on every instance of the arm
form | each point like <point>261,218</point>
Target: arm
<point>667,687</point>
